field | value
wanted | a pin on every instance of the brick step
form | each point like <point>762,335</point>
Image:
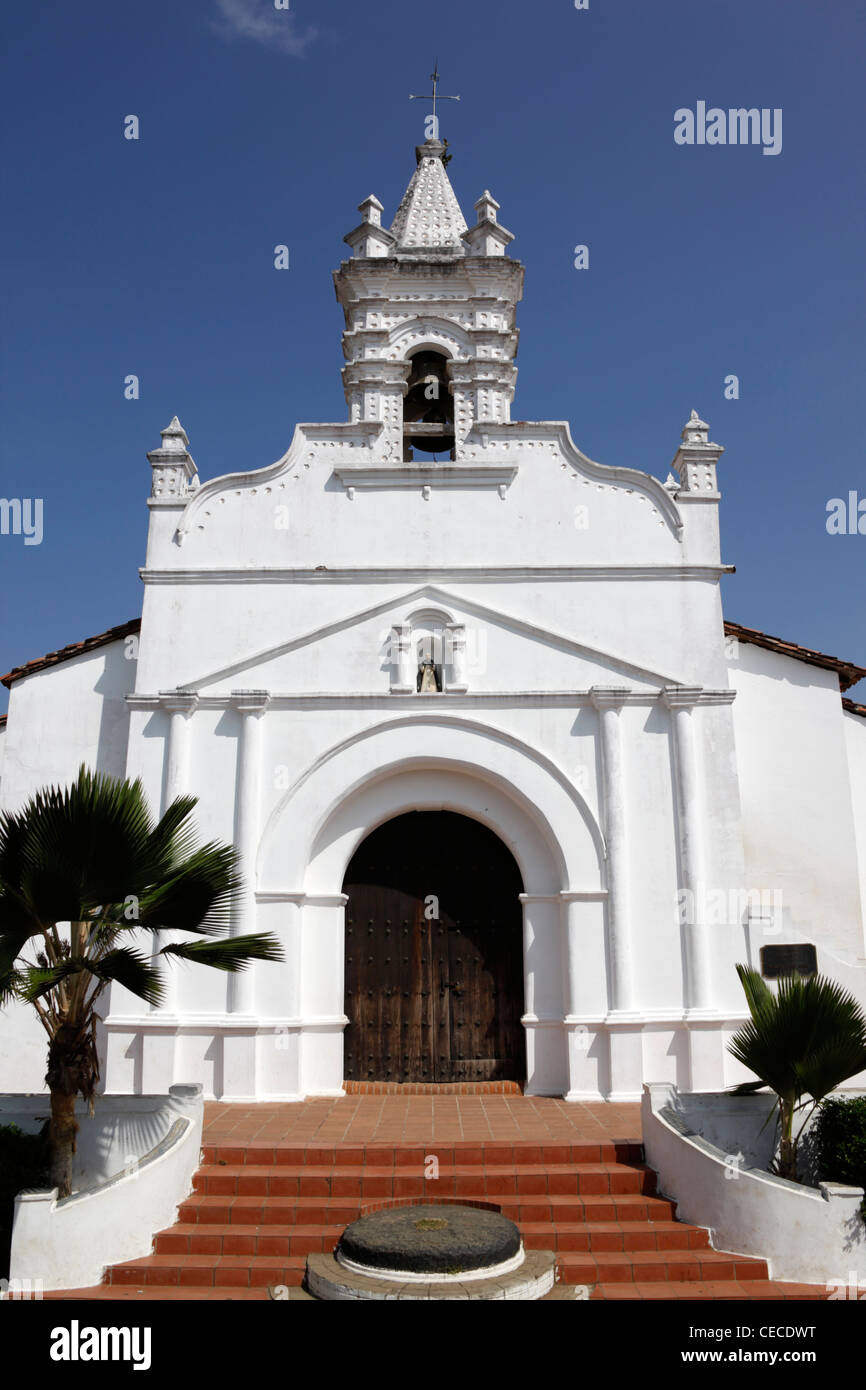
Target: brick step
<point>726,1290</point>
<point>287,1211</point>
<point>257,1180</point>
<point>121,1293</point>
<point>206,1271</point>
<point>601,1237</point>
<point>400,1156</point>
<point>645,1266</point>
<point>216,1240</point>
<point>257,1271</point>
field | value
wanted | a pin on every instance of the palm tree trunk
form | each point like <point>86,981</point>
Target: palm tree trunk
<point>787,1144</point>
<point>62,1133</point>
<point>66,1079</point>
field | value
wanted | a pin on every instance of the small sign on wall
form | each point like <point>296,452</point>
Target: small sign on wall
<point>786,960</point>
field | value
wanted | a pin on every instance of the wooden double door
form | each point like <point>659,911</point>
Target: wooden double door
<point>434,954</point>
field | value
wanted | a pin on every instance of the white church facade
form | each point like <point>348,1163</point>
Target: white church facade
<point>511,793</point>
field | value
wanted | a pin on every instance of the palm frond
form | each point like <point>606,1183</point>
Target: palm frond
<point>133,971</point>
<point>11,985</point>
<point>200,895</point>
<point>758,994</point>
<point>804,1040</point>
<point>82,846</point>
<point>37,981</point>
<point>231,954</point>
<point>173,837</point>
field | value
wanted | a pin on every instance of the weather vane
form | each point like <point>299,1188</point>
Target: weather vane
<point>434,78</point>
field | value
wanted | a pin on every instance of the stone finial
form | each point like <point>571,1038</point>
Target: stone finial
<point>487,207</point>
<point>696,459</point>
<point>696,430</point>
<point>488,237</point>
<point>174,437</point>
<point>371,210</point>
<point>370,240</point>
<point>175,475</point>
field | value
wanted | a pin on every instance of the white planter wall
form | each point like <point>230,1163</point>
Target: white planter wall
<point>134,1166</point>
<point>710,1152</point>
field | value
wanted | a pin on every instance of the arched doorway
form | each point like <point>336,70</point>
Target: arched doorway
<point>434,956</point>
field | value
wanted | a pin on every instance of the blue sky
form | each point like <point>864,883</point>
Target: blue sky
<point>259,127</point>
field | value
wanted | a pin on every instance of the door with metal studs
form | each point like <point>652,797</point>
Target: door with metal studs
<point>434,957</point>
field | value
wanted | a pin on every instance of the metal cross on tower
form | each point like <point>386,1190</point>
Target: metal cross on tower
<point>434,78</point>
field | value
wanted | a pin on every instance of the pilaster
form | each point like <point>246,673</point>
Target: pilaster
<point>250,705</point>
<point>681,701</point>
<point>609,702</point>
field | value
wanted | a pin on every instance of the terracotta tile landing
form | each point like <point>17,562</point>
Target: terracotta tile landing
<point>392,1119</point>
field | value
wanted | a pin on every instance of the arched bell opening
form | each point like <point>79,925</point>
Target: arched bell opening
<point>428,409</point>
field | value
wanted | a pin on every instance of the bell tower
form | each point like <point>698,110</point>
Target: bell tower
<point>430,337</point>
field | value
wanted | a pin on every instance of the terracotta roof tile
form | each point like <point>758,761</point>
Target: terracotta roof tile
<point>113,634</point>
<point>848,673</point>
<point>853,708</point>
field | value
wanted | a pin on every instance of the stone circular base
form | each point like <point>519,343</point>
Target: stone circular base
<point>431,1242</point>
<point>330,1282</point>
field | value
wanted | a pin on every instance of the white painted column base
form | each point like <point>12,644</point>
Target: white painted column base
<point>546,1068</point>
<point>625,1043</point>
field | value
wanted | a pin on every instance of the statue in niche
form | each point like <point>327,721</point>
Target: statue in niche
<point>429,680</point>
<point>429,670</point>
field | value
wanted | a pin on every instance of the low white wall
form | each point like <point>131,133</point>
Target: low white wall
<point>806,1235</point>
<point>134,1166</point>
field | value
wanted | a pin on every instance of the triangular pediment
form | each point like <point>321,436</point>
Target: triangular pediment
<point>344,653</point>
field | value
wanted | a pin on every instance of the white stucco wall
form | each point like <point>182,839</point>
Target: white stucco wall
<point>800,821</point>
<point>66,715</point>
<point>60,717</point>
<point>855,738</point>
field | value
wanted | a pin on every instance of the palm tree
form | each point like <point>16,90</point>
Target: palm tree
<point>83,869</point>
<point>803,1041</point>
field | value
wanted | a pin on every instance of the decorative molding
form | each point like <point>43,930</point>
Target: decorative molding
<point>456,699</point>
<point>556,435</point>
<point>610,697</point>
<point>178,701</point>
<point>445,574</point>
<point>681,696</point>
<point>426,475</point>
<point>355,434</point>
<point>220,1023</point>
<point>301,898</point>
<point>253,702</point>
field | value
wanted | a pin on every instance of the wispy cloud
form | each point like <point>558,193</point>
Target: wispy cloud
<point>260,21</point>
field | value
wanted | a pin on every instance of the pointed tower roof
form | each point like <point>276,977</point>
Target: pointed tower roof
<point>429,216</point>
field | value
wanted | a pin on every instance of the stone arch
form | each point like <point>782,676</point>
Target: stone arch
<point>435,762</point>
<point>429,762</point>
<point>433,334</point>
